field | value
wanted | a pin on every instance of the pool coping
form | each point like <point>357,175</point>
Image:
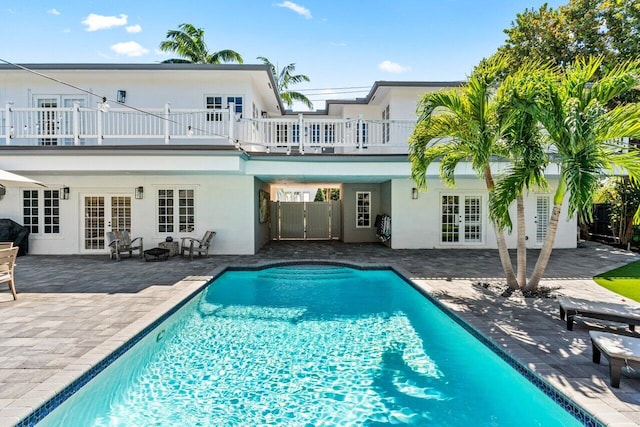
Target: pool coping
<point>71,379</point>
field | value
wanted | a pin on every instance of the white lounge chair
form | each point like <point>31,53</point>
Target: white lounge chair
<point>614,312</point>
<point>620,350</point>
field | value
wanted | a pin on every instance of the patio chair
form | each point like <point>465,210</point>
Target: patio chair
<point>7,264</point>
<point>191,246</point>
<point>120,241</point>
<point>6,245</point>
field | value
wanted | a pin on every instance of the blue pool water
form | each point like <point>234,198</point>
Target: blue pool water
<point>309,346</point>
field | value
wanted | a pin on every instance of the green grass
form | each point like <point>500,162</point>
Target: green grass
<point>623,280</point>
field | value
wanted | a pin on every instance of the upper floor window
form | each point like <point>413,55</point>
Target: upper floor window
<point>221,102</point>
<point>385,125</point>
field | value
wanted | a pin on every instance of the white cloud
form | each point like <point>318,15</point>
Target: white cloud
<point>129,49</point>
<point>300,10</point>
<point>99,22</point>
<point>53,12</point>
<point>133,29</point>
<point>392,67</point>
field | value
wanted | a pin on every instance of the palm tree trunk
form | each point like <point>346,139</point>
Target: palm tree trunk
<point>505,260</point>
<point>545,252</point>
<point>522,243</point>
<point>552,229</point>
<point>503,251</point>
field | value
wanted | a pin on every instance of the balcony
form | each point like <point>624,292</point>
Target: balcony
<point>122,126</point>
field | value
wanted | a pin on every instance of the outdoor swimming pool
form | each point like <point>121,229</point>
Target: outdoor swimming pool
<point>306,346</point>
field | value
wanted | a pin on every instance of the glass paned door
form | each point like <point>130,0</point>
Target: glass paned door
<point>450,208</point>
<point>67,123</point>
<point>102,214</point>
<point>48,120</point>
<point>472,219</point>
<point>542,218</point>
<point>461,219</point>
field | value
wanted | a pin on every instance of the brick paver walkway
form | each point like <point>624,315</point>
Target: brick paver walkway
<point>73,310</point>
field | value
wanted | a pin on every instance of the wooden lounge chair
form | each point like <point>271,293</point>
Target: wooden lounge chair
<point>6,245</point>
<point>614,312</point>
<point>120,241</point>
<point>7,265</point>
<point>191,246</point>
<point>620,350</point>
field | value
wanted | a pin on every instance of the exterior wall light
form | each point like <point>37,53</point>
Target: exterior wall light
<point>64,193</point>
<point>414,193</point>
<point>139,192</point>
<point>122,96</point>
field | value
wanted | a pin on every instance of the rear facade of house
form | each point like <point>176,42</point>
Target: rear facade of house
<point>174,150</point>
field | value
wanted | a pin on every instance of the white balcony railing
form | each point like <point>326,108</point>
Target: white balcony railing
<point>126,126</point>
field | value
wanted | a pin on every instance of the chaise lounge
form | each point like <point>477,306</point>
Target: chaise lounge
<point>614,312</point>
<point>620,350</point>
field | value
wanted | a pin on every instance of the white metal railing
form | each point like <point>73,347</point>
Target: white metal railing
<point>310,133</point>
<point>92,126</point>
<point>127,126</point>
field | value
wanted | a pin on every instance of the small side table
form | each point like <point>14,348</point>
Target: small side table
<point>156,254</point>
<point>174,247</point>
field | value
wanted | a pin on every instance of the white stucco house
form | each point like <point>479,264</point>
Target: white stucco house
<point>178,149</point>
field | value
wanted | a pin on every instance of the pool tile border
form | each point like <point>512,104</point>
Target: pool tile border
<point>579,413</point>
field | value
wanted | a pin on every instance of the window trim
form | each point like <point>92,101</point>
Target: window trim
<point>367,205</point>
<point>41,215</point>
<point>176,209</point>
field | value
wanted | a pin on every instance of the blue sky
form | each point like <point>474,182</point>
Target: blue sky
<point>338,44</point>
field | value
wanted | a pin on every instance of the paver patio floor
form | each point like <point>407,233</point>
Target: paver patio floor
<point>72,309</point>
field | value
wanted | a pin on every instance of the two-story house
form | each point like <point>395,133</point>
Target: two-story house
<point>178,149</point>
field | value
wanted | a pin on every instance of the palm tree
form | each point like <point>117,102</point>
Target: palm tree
<point>524,141</point>
<point>459,125</point>
<point>283,79</point>
<point>188,42</point>
<point>572,110</point>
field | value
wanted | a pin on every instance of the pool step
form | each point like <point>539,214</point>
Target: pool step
<point>321,273</point>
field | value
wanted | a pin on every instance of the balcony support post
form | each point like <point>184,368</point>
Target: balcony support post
<point>232,120</point>
<point>75,117</point>
<point>301,133</point>
<point>8,123</point>
<point>99,114</point>
<point>167,111</point>
<point>360,130</point>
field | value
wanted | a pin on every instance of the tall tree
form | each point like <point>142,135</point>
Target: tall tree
<point>462,125</point>
<point>188,42</point>
<point>523,140</point>
<point>286,78</point>
<point>585,133</point>
<point>606,28</point>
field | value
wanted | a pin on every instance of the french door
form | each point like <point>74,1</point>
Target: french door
<point>102,213</point>
<point>55,122</point>
<point>48,120</point>
<point>461,219</point>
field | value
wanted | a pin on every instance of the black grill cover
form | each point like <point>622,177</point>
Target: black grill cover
<point>11,231</point>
